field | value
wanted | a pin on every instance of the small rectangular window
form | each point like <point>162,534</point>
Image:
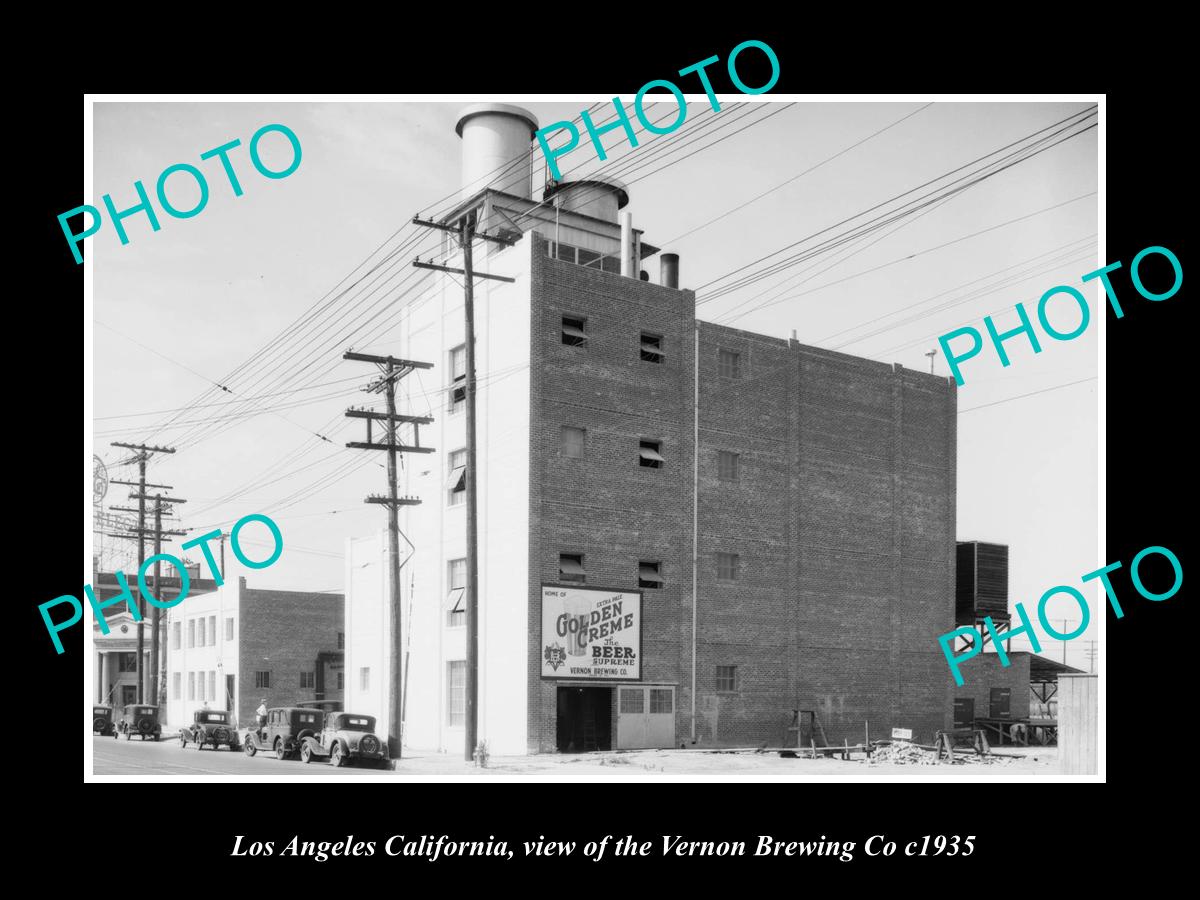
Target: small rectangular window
<point>229,628</point>
<point>308,679</point>
<point>341,640</point>
<point>456,484</point>
<point>191,685</point>
<point>212,631</point>
<point>456,693</point>
<point>650,575</point>
<point>633,701</point>
<point>727,567</point>
<point>191,633</point>
<point>458,378</point>
<point>212,684</point>
<point>662,700</point>
<point>573,331</point>
<point>341,682</point>
<point>364,678</point>
<point>176,685</point>
<point>652,347</point>
<point>262,679</point>
<point>200,687</point>
<point>729,363</point>
<point>726,678</point>
<point>176,637</point>
<point>570,567</point>
<point>727,465</point>
<point>573,441</point>
<point>200,642</point>
<point>456,610</point>
<point>650,455</point>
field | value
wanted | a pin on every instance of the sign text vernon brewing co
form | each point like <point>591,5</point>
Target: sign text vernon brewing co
<point>591,634</point>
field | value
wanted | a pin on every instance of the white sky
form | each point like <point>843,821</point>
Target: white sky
<point>210,290</point>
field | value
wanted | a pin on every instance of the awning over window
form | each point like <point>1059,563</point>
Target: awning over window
<point>570,567</point>
<point>648,573</point>
<point>651,453</point>
<point>573,331</point>
<point>458,479</point>
<point>455,599</point>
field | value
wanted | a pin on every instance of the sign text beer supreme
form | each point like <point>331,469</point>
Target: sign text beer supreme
<point>591,634</point>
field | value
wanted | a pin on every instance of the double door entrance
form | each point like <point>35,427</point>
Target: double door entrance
<point>645,718</point>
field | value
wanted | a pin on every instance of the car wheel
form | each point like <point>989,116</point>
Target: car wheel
<point>250,748</point>
<point>306,753</point>
<point>280,753</point>
<point>337,758</point>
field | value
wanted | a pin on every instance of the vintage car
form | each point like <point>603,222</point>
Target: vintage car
<point>209,726</point>
<point>284,731</point>
<point>139,719</point>
<point>347,737</point>
<point>102,720</point>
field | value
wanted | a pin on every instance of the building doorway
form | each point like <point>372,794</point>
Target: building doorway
<point>584,719</point>
<point>646,717</point>
<point>128,694</point>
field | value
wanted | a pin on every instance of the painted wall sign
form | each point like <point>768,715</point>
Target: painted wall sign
<point>591,634</point>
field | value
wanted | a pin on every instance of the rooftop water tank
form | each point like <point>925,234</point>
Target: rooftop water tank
<point>495,149</point>
<point>598,196</point>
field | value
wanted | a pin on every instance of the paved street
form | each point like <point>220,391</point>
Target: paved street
<point>137,759</point>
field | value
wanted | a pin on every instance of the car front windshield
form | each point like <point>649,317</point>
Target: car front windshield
<point>354,723</point>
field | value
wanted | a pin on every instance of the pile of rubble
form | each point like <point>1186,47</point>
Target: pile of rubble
<point>902,753</point>
<point>905,753</point>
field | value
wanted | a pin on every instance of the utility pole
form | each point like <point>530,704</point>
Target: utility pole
<point>1064,623</point>
<point>157,671</point>
<point>392,370</point>
<point>159,534</point>
<point>466,234</point>
<point>143,454</point>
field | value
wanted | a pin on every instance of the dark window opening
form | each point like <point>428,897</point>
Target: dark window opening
<point>727,567</point>
<point>650,575</point>
<point>650,455</point>
<point>570,567</point>
<point>573,333</point>
<point>652,347</point>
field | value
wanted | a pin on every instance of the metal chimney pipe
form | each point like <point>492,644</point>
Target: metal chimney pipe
<point>627,269</point>
<point>669,270</point>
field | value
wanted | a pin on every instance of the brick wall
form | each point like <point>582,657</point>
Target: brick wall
<point>842,517</point>
<point>984,672</point>
<point>282,632</point>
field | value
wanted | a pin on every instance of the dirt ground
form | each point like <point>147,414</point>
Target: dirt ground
<point>1016,763</point>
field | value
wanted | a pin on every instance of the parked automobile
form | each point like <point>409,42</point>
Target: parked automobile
<point>139,719</point>
<point>209,726</point>
<point>346,738</point>
<point>102,720</point>
<point>284,731</point>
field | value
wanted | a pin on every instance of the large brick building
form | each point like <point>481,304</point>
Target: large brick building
<point>816,509</point>
<point>235,646</point>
